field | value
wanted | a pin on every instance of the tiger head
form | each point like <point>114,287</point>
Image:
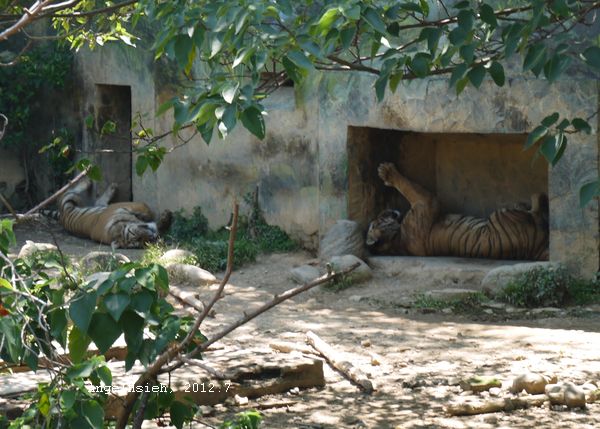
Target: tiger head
<point>136,235</point>
<point>384,233</point>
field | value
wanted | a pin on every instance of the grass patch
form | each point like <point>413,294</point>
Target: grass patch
<point>468,304</point>
<point>551,287</point>
<point>254,236</point>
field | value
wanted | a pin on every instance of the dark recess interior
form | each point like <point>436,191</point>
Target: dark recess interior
<point>112,151</point>
<point>473,174</point>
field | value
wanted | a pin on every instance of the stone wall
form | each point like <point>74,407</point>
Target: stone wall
<point>302,167</point>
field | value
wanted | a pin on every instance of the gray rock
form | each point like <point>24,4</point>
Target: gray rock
<point>345,237</point>
<point>450,294</point>
<point>361,274</point>
<point>176,255</point>
<point>498,278</point>
<point>304,274</point>
<point>190,274</point>
<point>30,248</point>
<point>102,261</point>
<point>98,278</point>
<point>574,396</point>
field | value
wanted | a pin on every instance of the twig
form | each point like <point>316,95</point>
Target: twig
<point>9,207</point>
<point>58,193</point>
<point>196,362</point>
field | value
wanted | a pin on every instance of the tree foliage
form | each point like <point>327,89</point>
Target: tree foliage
<point>249,48</point>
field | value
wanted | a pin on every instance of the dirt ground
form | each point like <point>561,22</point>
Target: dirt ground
<point>422,356</point>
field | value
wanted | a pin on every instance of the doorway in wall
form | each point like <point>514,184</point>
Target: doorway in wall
<point>112,149</point>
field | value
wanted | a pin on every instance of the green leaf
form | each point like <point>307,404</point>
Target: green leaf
<point>411,7</point>
<point>549,120</point>
<point>592,56</point>
<point>104,331</point>
<point>116,304</point>
<point>182,47</point>
<point>461,85</point>
<point>109,127</point>
<point>95,173</point>
<point>89,122</point>
<point>229,92</point>
<point>588,192</point>
<point>534,136</point>
<point>373,19</point>
<point>78,344</point>
<point>457,74</point>
<point>487,15</point>
<point>347,36</point>
<point>458,36</point>
<point>581,125</point>
<point>132,326</point>
<point>67,399</point>
<point>395,79</point>
<point>536,54</point>
<point>327,20</point>
<point>556,66</point>
<point>58,324</point>
<point>141,164</point>
<point>380,85</point>
<point>300,60</point>
<point>351,11</point>
<point>81,309</point>
<point>104,374</point>
<point>432,35</point>
<point>216,44</point>
<point>93,413</point>
<point>552,147</point>
<point>180,413</point>
<point>497,72</point>
<point>467,52</point>
<point>466,20</point>
<point>462,4</point>
<point>476,75</point>
<point>253,121</point>
<point>420,64</point>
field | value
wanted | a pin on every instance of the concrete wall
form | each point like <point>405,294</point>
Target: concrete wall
<point>301,168</point>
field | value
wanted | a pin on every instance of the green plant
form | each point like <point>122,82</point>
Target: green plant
<point>552,286</point>
<point>466,304</point>
<point>254,236</point>
<point>245,420</point>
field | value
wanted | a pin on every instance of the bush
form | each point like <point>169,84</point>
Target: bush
<point>254,236</point>
<point>542,287</point>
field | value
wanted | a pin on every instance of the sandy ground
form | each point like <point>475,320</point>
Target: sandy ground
<point>422,356</point>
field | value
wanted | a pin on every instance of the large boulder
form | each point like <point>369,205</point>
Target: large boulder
<point>30,248</point>
<point>189,274</point>
<point>362,273</point>
<point>176,255</point>
<point>498,278</point>
<point>102,261</point>
<point>345,237</point>
<point>304,274</point>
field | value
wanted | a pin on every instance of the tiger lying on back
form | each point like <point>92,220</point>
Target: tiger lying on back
<point>506,234</point>
<point>122,225</point>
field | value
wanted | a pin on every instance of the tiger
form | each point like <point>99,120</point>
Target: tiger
<point>508,233</point>
<point>120,225</point>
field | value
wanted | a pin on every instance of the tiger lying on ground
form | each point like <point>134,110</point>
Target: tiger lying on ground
<point>506,234</point>
<point>121,225</point>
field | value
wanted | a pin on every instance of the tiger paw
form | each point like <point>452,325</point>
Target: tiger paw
<point>387,172</point>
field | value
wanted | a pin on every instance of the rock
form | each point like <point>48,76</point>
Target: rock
<point>495,391</point>
<point>360,274</point>
<point>574,396</point>
<point>304,274</point>
<point>365,343</point>
<point>98,278</point>
<point>450,294</point>
<point>176,255</point>
<point>532,383</point>
<point>240,400</point>
<point>190,274</point>
<point>345,237</point>
<point>30,248</point>
<point>480,383</point>
<point>498,278</point>
<point>102,261</point>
